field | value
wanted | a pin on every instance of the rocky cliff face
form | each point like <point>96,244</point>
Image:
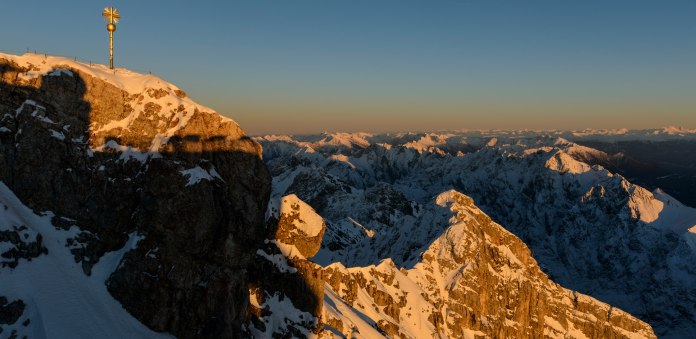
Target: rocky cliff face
<point>476,280</point>
<point>119,154</point>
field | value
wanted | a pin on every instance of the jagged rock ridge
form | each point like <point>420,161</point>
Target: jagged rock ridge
<point>590,230</point>
<point>475,280</point>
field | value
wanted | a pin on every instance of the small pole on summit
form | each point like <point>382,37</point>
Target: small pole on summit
<point>111,16</point>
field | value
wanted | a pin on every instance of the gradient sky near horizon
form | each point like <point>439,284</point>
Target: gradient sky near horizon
<point>305,66</point>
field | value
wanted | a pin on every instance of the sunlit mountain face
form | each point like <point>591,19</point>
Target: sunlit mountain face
<point>589,226</point>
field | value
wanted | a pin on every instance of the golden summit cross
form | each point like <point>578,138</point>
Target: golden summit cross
<point>111,16</point>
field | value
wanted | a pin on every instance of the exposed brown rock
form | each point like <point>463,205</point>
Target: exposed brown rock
<point>479,280</point>
<point>291,226</point>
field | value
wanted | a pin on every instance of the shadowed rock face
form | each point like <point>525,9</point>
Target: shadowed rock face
<point>114,163</point>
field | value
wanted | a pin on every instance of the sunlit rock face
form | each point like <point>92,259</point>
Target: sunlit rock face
<point>475,280</point>
<point>300,226</point>
<point>121,153</point>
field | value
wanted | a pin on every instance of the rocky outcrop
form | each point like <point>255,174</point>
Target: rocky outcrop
<point>123,153</point>
<point>476,280</point>
<point>299,226</point>
<point>21,244</point>
<point>10,313</point>
<point>283,273</point>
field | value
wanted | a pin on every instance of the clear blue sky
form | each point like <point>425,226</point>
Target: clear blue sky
<point>299,66</point>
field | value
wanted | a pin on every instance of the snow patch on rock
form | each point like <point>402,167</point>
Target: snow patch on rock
<point>196,174</point>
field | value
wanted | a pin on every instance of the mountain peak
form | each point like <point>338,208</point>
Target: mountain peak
<point>117,155</point>
<point>119,110</point>
<point>36,66</point>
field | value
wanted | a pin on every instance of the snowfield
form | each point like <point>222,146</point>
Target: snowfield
<point>61,301</point>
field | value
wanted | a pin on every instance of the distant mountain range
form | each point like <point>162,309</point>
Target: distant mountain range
<point>589,229</point>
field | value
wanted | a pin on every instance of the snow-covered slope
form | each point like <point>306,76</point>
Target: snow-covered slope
<point>59,300</point>
<point>591,230</point>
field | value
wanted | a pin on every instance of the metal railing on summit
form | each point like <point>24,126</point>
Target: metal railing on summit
<point>75,58</point>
